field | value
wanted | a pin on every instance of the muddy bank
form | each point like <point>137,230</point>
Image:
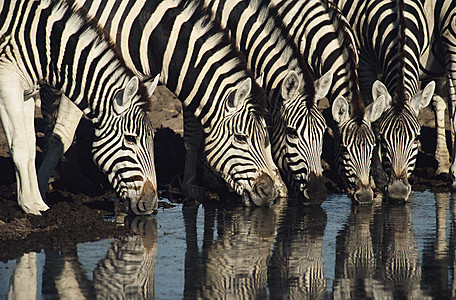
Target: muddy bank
<point>81,200</point>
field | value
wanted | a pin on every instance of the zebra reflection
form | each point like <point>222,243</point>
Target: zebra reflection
<point>128,269</point>
<point>234,264</point>
<point>296,267</point>
<point>377,255</point>
<point>356,256</point>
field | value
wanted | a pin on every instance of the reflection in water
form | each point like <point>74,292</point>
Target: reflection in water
<point>234,265</point>
<point>381,252</point>
<point>377,255</point>
<point>127,272</point>
<point>64,276</point>
<point>129,267</point>
<point>23,281</point>
<point>400,272</point>
<point>355,256</point>
<point>296,266</point>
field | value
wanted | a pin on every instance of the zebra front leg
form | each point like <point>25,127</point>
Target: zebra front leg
<point>17,121</point>
<point>68,118</point>
<point>441,151</point>
<point>193,137</point>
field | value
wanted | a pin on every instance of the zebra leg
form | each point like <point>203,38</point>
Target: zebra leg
<point>68,118</point>
<point>441,151</point>
<point>17,117</point>
<point>193,137</point>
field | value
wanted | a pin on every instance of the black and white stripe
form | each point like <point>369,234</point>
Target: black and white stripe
<point>48,42</point>
<point>297,124</point>
<point>326,41</point>
<point>440,59</point>
<point>392,35</point>
<point>197,62</point>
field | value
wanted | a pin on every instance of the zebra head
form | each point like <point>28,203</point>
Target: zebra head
<point>298,137</point>
<point>398,135</point>
<point>355,142</point>
<point>123,148</point>
<point>238,148</point>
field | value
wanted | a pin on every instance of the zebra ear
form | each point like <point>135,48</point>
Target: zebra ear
<point>379,89</point>
<point>340,109</point>
<point>243,92</point>
<point>323,84</point>
<point>260,80</point>
<point>152,85</point>
<point>290,86</point>
<point>423,97</point>
<point>122,99</point>
<point>375,109</point>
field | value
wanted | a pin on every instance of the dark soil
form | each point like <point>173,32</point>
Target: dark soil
<point>80,199</point>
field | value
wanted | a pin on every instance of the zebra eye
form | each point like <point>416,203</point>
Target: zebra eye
<point>292,132</point>
<point>240,138</point>
<point>130,139</point>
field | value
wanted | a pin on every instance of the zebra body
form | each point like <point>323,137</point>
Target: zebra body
<point>440,59</point>
<point>209,78</point>
<point>48,42</point>
<point>392,36</point>
<point>297,124</point>
<point>325,40</point>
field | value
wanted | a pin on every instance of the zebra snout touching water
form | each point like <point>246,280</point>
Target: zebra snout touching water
<point>60,47</point>
<point>392,36</point>
<point>197,61</point>
<point>326,41</point>
<point>297,126</point>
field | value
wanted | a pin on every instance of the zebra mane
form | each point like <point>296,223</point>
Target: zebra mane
<point>349,43</point>
<point>210,22</point>
<point>399,98</point>
<point>91,23</point>
<point>309,87</point>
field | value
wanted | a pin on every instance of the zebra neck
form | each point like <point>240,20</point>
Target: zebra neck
<point>260,35</point>
<point>177,39</point>
<point>380,40</point>
<point>317,33</point>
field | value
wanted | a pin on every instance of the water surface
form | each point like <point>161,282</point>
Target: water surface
<point>338,251</point>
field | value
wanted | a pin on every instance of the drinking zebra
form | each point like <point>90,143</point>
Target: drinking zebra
<point>198,63</point>
<point>325,40</point>
<point>392,36</point>
<point>49,42</point>
<point>440,60</point>
<point>297,124</point>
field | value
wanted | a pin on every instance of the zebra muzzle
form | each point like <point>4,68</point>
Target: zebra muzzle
<point>398,191</point>
<point>315,192</point>
<point>147,204</point>
<point>262,193</point>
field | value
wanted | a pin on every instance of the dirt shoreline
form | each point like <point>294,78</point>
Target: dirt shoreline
<point>80,205</point>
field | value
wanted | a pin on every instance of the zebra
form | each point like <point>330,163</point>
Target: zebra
<point>297,124</point>
<point>326,41</point>
<point>154,37</point>
<point>392,35</point>
<point>440,59</point>
<point>50,42</point>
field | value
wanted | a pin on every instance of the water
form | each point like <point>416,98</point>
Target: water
<point>287,252</point>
